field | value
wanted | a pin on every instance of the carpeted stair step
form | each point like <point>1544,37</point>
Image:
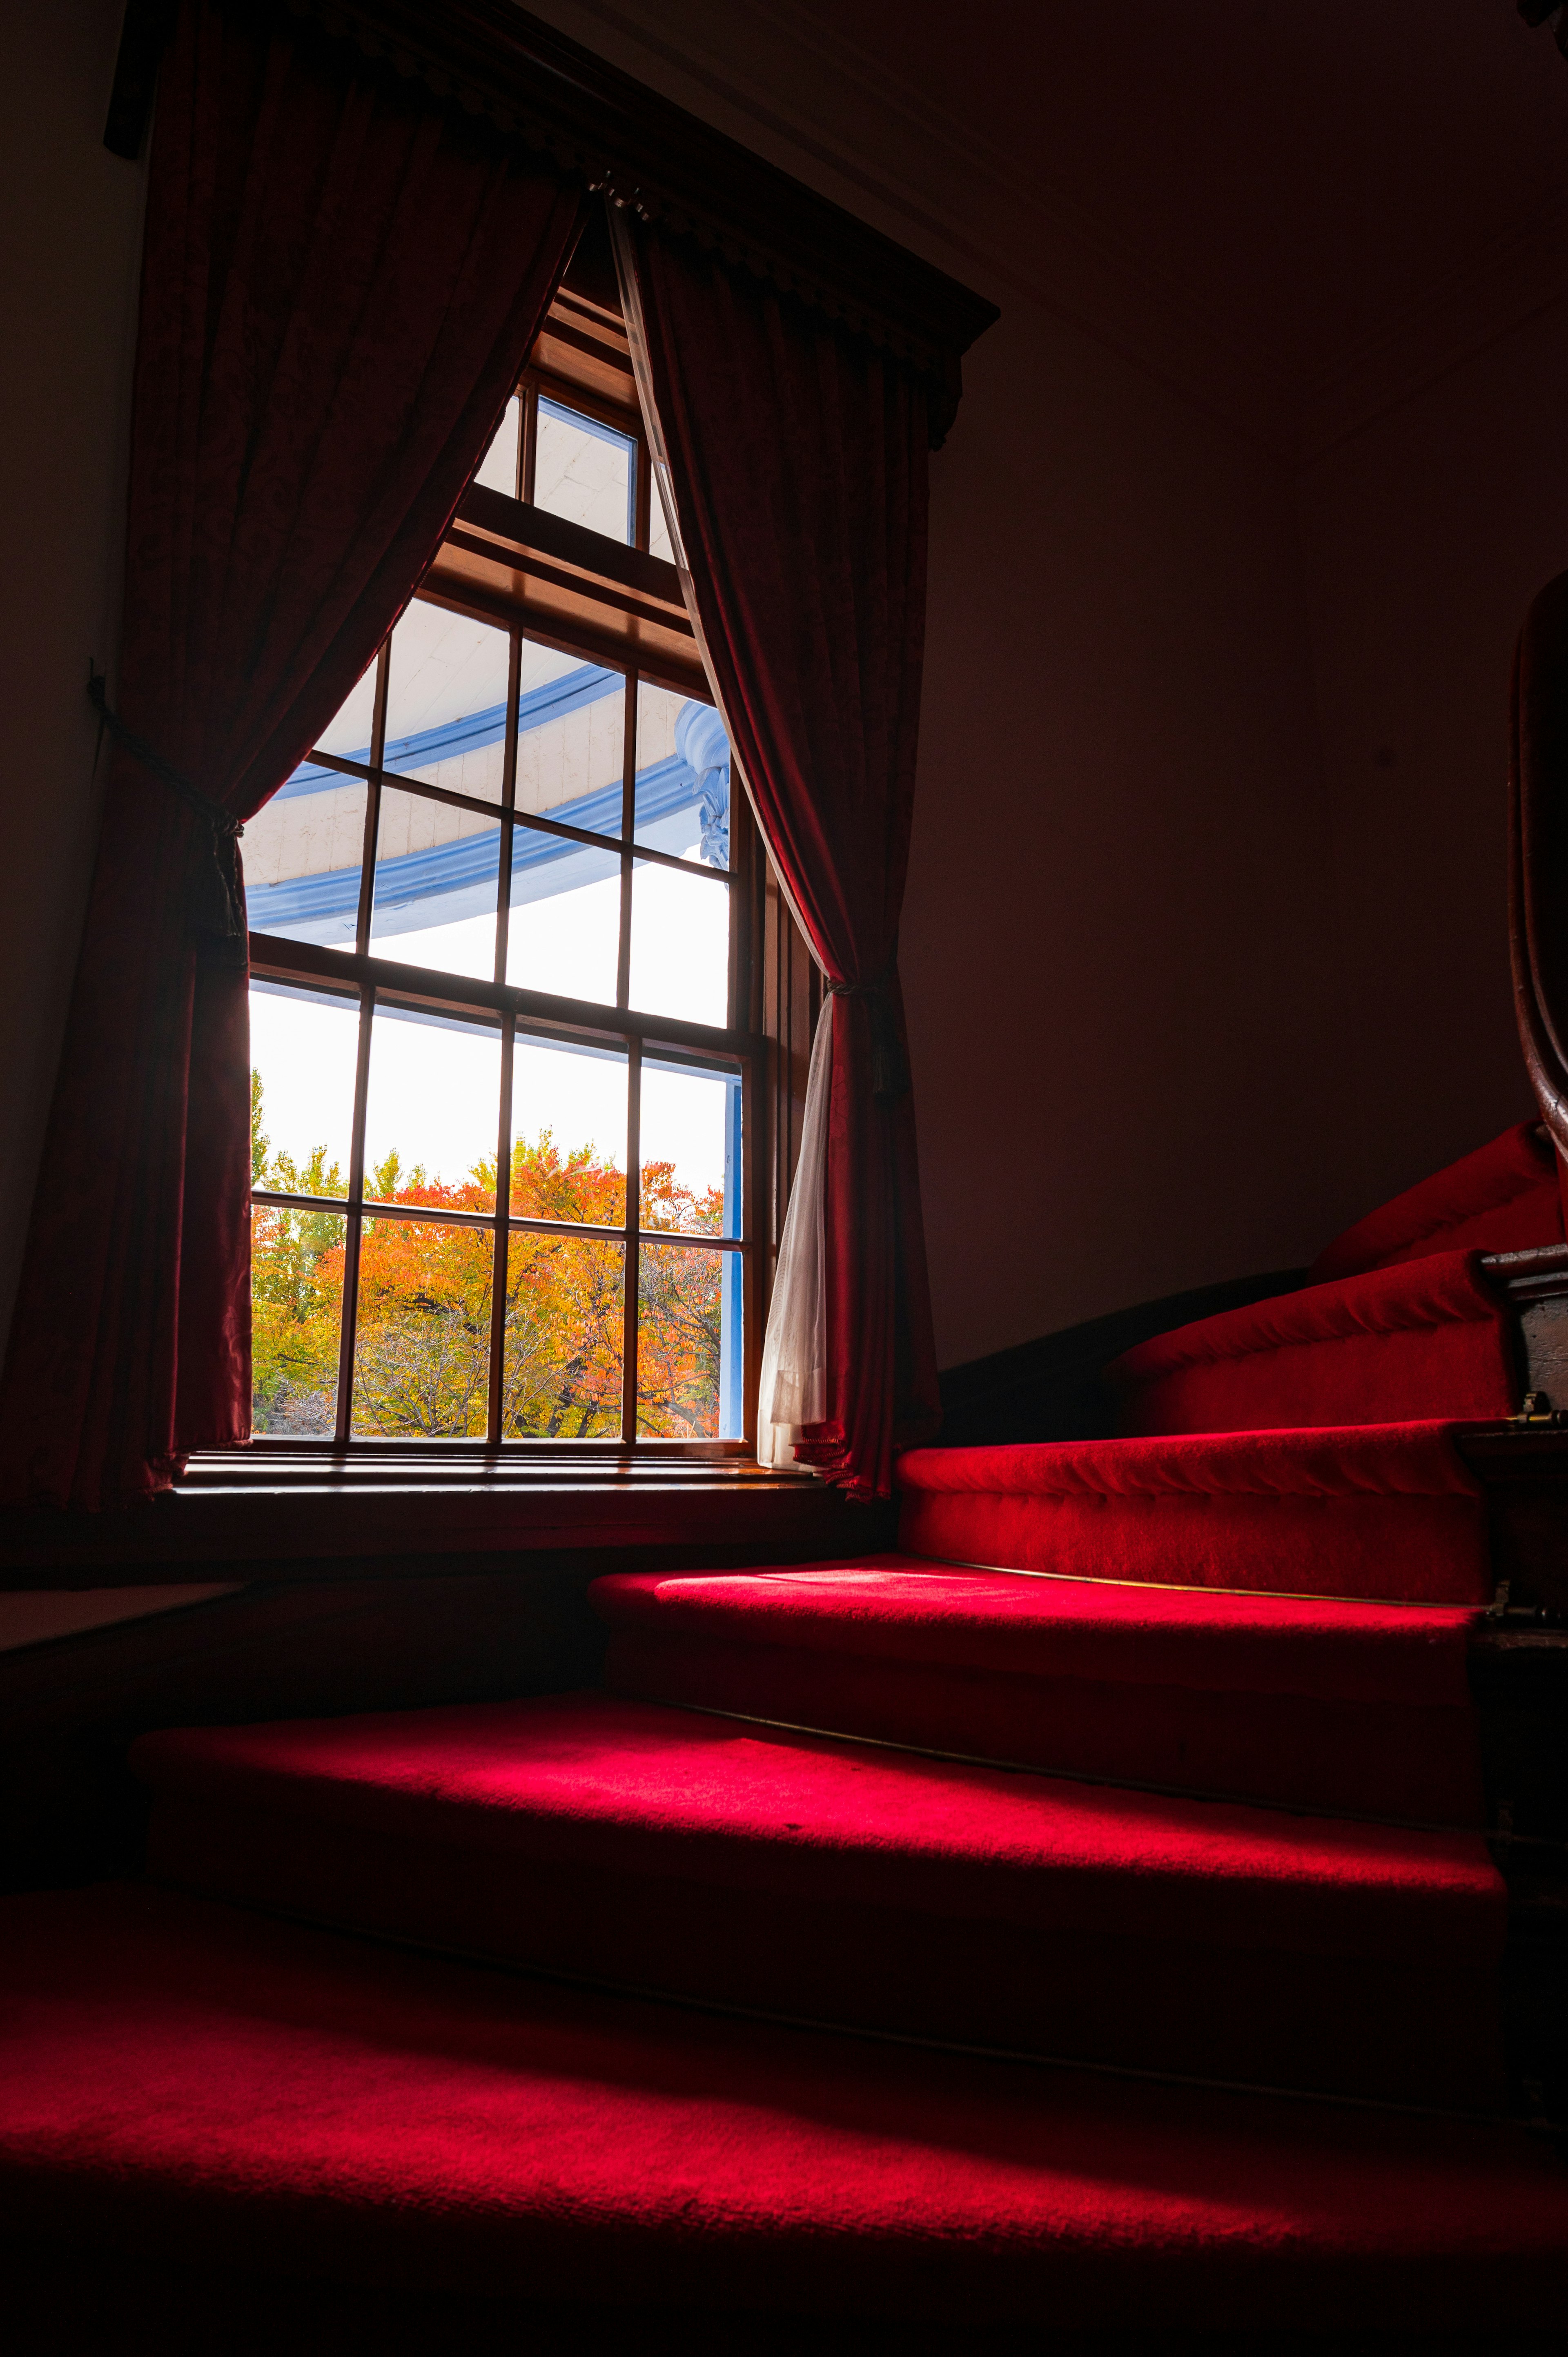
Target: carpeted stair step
<point>181,2082</point>
<point>1425,1337</point>
<point>1385,1512</point>
<point>1505,1197</point>
<point>1312,1702</point>
<point>1400,1321</point>
<point>668,1849</point>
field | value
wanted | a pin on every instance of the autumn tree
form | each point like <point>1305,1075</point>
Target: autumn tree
<point>423,1331</point>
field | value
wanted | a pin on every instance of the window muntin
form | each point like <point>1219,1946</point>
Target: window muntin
<point>680,944</point>
<point>571,745</point>
<point>679,743</point>
<point>586,471</point>
<point>564,1374</point>
<point>296,1295</point>
<point>430,1110</point>
<point>570,1123</point>
<point>422,1331</point>
<point>446,691</point>
<point>305,1048</point>
<point>564,929</point>
<point>433,901</point>
<point>470,816</point>
<point>303,852</point>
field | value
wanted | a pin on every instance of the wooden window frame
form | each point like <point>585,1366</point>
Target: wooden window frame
<point>646,637</point>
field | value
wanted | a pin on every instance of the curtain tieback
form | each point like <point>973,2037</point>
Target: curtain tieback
<point>890,1064</point>
<point>217,901</point>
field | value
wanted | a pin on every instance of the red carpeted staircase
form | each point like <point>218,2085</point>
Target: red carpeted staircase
<point>1085,1917</point>
<point>1399,1321</point>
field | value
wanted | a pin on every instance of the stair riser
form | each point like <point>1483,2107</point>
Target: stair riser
<point>1459,1368</point>
<point>1423,1550</point>
<point>1357,2025</point>
<point>1296,1750</point>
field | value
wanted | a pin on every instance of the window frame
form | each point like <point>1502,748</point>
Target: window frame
<point>368,979</point>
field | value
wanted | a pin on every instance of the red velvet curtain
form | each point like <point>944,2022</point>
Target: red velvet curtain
<point>342,279</point>
<point>799,453</point>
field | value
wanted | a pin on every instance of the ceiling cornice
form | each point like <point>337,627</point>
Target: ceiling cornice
<point>1013,230</point>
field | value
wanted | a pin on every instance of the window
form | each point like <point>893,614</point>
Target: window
<point>504,1060</point>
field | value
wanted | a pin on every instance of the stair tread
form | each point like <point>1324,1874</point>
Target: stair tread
<point>908,1607</point>
<point>1423,1338</point>
<point>1504,1196</point>
<point>1381,1511</point>
<point>175,2074</point>
<point>654,1787</point>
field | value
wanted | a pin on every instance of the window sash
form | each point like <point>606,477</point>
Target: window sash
<point>546,551</point>
<point>375,982</point>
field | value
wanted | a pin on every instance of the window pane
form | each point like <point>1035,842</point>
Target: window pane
<point>565,934</point>
<point>348,730</point>
<point>688,1343</point>
<point>682,777</point>
<point>561,1372</point>
<point>433,1111</point>
<point>435,886</point>
<point>680,944</point>
<point>422,1347</point>
<point>586,471</point>
<point>571,741</point>
<point>498,468</point>
<point>568,1115</point>
<point>304,1049</point>
<point>303,853</point>
<point>691,1149</point>
<point>296,1306</point>
<point>447,701</point>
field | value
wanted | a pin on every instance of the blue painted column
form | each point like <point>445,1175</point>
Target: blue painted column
<point>731,1350</point>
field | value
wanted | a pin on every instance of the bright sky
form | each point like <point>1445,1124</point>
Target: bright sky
<point>434,1089</point>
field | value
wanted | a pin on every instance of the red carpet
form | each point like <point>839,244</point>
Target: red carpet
<point>1428,1338</point>
<point>183,2080</point>
<point>1269,1621</point>
<point>1313,1702</point>
<point>1398,1322</point>
<point>1503,1197</point>
<point>1374,1510</point>
<point>630,1843</point>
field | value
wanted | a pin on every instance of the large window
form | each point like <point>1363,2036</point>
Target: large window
<point>503,1076</point>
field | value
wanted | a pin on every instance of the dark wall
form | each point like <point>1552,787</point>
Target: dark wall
<point>70,1809</point>
<point>1427,534</point>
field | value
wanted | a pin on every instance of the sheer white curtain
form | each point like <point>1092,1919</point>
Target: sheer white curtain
<point>794,1389</point>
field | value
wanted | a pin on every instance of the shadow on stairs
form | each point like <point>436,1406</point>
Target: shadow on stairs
<point>1131,1911</point>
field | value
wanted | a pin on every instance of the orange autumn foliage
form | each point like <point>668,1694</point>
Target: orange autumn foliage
<point>423,1344</point>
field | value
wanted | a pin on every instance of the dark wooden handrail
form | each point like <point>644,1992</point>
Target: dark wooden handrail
<point>1538,852</point>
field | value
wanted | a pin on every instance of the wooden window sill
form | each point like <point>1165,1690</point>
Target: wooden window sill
<point>269,1509</point>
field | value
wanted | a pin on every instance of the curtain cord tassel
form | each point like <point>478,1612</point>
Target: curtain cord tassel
<point>217,892</point>
<point>890,1064</point>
